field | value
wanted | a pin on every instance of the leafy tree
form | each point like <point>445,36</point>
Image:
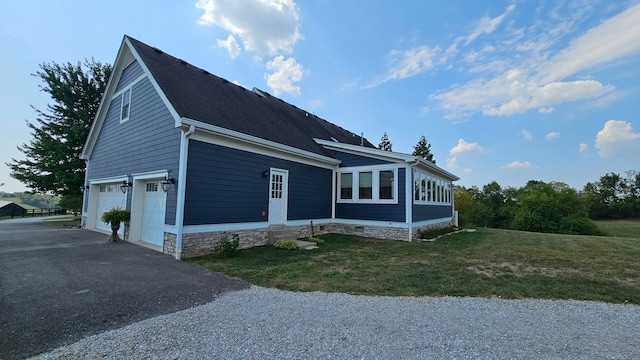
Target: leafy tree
<point>614,196</point>
<point>462,199</point>
<point>52,161</point>
<point>385,144</point>
<point>423,149</point>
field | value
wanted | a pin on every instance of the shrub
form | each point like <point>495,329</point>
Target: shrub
<point>315,240</point>
<point>286,245</point>
<point>227,246</point>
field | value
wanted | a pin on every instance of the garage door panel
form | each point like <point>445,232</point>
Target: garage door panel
<point>153,213</point>
<point>109,197</point>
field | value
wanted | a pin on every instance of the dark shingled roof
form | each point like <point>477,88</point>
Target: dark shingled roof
<point>196,94</point>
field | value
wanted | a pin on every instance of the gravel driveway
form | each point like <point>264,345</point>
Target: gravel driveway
<point>260,323</point>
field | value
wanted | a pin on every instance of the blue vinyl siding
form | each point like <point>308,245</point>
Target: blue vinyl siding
<point>148,141</point>
<point>349,160</point>
<point>227,185</point>
<point>379,212</point>
<point>430,212</point>
<point>130,73</point>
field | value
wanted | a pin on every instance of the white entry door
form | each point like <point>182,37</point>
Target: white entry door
<point>278,196</point>
<point>109,197</point>
<point>153,213</point>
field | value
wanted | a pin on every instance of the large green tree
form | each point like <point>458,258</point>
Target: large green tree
<point>52,163</point>
<point>423,149</point>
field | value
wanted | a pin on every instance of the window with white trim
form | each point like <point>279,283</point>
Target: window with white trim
<point>371,185</point>
<point>429,189</point>
<point>125,108</point>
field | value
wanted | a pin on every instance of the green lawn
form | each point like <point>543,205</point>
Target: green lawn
<point>488,262</point>
<point>621,228</point>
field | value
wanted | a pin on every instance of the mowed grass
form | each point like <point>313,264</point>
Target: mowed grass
<point>488,262</point>
<point>621,228</point>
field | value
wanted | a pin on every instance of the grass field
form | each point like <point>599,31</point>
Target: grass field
<point>621,228</point>
<point>488,262</point>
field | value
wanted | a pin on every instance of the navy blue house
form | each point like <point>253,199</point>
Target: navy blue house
<point>193,156</point>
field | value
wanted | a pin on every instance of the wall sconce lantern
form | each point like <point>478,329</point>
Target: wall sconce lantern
<point>265,173</point>
<point>166,183</point>
<point>83,188</point>
<point>125,185</point>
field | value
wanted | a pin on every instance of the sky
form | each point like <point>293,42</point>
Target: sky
<point>508,90</point>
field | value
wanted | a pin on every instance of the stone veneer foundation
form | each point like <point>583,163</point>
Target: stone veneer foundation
<point>201,244</point>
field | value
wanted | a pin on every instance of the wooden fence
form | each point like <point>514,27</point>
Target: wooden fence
<point>33,212</point>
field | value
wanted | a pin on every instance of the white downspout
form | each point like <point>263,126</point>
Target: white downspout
<point>182,182</point>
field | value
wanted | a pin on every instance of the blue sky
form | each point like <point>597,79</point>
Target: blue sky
<point>503,90</point>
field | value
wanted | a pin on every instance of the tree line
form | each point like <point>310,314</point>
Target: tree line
<point>552,207</point>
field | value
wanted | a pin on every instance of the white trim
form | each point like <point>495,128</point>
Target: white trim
<point>171,229</point>
<point>151,174</point>
<point>408,203</point>
<point>195,229</point>
<point>221,136</point>
<point>307,222</point>
<point>182,187</point>
<point>109,180</point>
<point>386,155</point>
<point>393,224</point>
<point>432,222</point>
<point>375,184</point>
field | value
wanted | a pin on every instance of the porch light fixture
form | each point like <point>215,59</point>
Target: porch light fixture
<point>84,187</point>
<point>265,173</point>
<point>166,183</point>
<point>125,185</point>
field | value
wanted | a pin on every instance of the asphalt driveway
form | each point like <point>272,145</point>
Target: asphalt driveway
<point>60,285</point>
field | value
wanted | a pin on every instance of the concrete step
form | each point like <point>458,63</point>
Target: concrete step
<point>306,245</point>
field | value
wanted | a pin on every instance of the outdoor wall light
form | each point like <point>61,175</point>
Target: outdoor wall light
<point>84,187</point>
<point>125,185</point>
<point>166,183</point>
<point>265,173</point>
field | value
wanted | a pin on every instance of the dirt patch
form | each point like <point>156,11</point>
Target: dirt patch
<point>517,269</point>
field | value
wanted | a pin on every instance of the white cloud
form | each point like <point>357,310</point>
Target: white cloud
<point>526,135</point>
<point>517,165</point>
<point>530,71</point>
<point>613,39</point>
<point>452,162</point>
<point>583,148</point>
<point>285,72</point>
<point>467,171</point>
<point>265,27</point>
<point>553,135</point>
<point>488,25</point>
<point>315,104</point>
<point>617,137</point>
<point>464,147</point>
<point>231,45</point>
<point>407,63</point>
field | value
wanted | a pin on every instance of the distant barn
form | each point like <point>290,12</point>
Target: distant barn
<point>9,208</point>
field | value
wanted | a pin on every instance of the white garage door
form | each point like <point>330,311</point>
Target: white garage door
<point>109,197</point>
<point>153,213</point>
